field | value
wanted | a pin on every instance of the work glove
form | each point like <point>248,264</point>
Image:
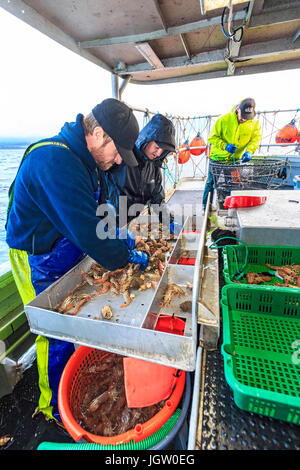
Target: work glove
<point>246,157</point>
<point>231,148</point>
<point>175,228</point>
<point>126,236</point>
<point>138,257</point>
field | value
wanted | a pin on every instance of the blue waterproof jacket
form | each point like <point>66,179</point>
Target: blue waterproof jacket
<point>54,198</point>
<point>141,184</point>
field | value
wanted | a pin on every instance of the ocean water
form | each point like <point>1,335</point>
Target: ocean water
<point>9,162</point>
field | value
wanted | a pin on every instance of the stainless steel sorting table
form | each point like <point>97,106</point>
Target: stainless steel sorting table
<point>131,330</point>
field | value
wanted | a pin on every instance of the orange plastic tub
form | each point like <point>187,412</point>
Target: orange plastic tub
<point>70,384</point>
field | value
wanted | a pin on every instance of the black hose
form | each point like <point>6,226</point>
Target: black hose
<point>233,35</point>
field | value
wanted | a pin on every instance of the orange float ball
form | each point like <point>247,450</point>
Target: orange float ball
<point>197,142</point>
<point>184,154</point>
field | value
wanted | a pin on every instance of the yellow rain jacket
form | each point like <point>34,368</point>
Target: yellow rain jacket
<point>227,130</point>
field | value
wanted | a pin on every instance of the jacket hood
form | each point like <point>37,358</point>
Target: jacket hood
<point>159,129</point>
<point>72,133</point>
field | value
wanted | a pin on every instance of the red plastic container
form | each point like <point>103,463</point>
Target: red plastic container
<point>170,324</point>
<point>232,202</point>
<point>187,261</point>
<point>73,378</point>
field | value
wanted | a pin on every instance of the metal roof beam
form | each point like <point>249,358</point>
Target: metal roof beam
<point>269,48</point>
<point>201,58</point>
<point>161,33</point>
<point>263,19</point>
<point>241,71</point>
<point>247,52</point>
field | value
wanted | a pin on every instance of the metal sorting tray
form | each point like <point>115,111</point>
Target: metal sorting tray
<point>130,332</point>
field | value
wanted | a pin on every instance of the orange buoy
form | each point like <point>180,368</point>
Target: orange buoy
<point>184,155</point>
<point>288,134</point>
<point>197,142</point>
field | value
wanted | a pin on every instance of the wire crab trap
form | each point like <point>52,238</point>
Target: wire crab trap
<point>257,174</point>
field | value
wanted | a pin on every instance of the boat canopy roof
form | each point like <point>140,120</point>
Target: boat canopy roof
<point>162,41</point>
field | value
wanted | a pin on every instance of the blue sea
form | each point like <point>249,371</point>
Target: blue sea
<point>9,162</point>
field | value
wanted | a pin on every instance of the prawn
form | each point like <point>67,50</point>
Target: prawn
<point>83,299</point>
<point>104,288</point>
<point>127,299</point>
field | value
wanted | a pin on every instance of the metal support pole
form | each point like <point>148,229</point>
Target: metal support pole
<point>123,85</point>
<point>194,417</point>
<point>202,7</point>
<point>115,86</point>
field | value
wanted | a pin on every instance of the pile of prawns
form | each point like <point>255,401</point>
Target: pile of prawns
<point>121,281</point>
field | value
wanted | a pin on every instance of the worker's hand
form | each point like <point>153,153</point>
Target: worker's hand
<point>138,257</point>
<point>246,157</point>
<point>231,148</point>
<point>127,236</point>
<point>175,228</point>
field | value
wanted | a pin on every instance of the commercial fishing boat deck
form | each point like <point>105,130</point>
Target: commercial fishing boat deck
<point>213,422</point>
<point>167,42</point>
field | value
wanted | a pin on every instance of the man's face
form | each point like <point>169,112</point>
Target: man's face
<point>103,149</point>
<point>239,116</point>
<point>152,150</point>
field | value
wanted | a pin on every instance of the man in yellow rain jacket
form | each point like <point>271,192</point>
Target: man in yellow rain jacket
<point>234,137</point>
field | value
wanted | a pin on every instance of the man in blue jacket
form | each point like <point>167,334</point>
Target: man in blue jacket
<point>52,219</point>
<point>142,184</point>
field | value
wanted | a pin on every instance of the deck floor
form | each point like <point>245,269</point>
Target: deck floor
<point>222,424</point>
<point>16,421</point>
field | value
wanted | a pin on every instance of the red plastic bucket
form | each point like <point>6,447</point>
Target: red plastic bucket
<point>73,379</point>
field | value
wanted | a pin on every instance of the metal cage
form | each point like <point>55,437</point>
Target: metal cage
<point>256,174</point>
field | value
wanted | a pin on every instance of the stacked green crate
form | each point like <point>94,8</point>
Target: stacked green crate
<point>261,349</point>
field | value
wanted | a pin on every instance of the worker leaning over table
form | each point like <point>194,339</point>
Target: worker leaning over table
<point>234,137</point>
<point>52,219</point>
<point>142,184</point>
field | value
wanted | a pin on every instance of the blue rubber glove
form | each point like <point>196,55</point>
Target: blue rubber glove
<point>231,148</point>
<point>175,228</point>
<point>126,236</point>
<point>138,257</point>
<point>246,157</point>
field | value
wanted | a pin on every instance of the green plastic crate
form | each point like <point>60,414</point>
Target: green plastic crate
<point>234,257</point>
<point>261,349</point>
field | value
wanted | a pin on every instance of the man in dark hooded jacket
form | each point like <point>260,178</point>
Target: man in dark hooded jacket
<point>143,184</point>
<point>52,217</point>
